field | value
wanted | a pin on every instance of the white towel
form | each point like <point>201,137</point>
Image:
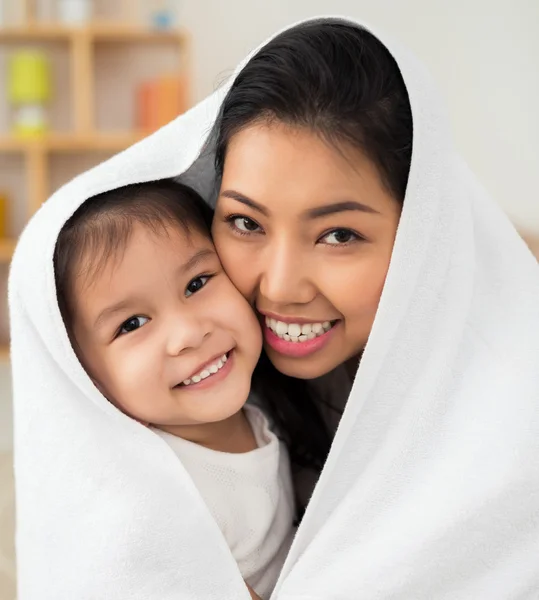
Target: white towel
<point>431,489</point>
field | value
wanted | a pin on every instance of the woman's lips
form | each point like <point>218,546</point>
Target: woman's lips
<point>298,349</point>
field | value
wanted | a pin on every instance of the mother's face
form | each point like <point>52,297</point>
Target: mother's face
<point>305,232</point>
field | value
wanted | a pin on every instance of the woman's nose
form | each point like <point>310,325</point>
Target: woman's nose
<point>284,277</point>
<point>186,331</point>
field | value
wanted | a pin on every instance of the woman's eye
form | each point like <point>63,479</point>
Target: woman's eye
<point>132,324</point>
<point>339,237</point>
<point>196,284</point>
<point>244,224</point>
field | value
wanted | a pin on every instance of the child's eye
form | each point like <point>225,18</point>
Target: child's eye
<point>243,225</point>
<point>131,324</point>
<point>340,237</point>
<point>196,284</point>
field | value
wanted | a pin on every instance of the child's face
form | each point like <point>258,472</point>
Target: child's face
<point>159,314</point>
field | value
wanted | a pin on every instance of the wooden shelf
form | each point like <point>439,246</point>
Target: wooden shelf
<point>67,142</point>
<point>97,31</point>
<point>87,140</point>
<point>7,246</point>
<point>114,32</point>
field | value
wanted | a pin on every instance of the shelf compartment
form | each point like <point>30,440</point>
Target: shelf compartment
<point>14,184</point>
<point>59,111</point>
<point>64,167</point>
<point>116,106</point>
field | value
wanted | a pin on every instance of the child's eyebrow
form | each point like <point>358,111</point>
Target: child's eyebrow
<point>108,312</point>
<point>196,259</point>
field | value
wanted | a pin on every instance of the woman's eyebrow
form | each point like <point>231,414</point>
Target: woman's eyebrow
<point>337,207</point>
<point>245,200</point>
<point>311,213</point>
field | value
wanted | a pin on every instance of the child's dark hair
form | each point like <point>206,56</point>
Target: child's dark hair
<point>101,227</point>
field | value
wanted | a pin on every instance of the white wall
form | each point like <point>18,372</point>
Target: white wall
<point>484,55</point>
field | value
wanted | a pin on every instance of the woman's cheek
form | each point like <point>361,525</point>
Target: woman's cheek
<point>355,288</point>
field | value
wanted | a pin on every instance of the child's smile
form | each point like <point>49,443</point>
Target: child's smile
<point>220,365</point>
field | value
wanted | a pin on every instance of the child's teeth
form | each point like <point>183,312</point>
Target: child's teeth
<point>207,372</point>
<point>295,332</point>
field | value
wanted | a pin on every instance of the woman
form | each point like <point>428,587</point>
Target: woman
<point>317,148</point>
<point>313,178</point>
<point>345,215</point>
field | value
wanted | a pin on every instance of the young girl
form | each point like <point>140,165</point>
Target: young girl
<point>169,341</point>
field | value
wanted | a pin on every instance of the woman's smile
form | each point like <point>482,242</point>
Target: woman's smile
<point>298,340</point>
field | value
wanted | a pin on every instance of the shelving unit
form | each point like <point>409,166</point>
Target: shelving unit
<point>82,136</point>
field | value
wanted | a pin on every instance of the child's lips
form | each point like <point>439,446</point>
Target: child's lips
<point>206,371</point>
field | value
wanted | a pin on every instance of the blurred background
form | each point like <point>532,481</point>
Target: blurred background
<point>82,79</point>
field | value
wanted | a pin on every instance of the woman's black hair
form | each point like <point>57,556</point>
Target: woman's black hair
<point>340,82</point>
<point>334,79</point>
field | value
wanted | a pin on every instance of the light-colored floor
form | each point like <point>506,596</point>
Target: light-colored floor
<point>7,528</point>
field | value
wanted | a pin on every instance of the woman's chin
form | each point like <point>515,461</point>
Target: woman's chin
<point>307,367</point>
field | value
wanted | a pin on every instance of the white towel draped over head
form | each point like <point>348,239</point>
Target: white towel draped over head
<point>431,489</point>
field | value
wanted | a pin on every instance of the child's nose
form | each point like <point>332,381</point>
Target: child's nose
<point>187,333</point>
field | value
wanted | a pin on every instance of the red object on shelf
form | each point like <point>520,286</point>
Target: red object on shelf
<point>160,101</point>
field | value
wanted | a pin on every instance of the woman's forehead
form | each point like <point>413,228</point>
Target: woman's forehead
<point>295,169</point>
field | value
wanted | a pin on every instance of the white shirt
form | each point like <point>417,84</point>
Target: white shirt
<point>250,496</point>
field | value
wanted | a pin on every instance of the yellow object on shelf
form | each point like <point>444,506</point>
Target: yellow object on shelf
<point>28,90</point>
<point>29,78</point>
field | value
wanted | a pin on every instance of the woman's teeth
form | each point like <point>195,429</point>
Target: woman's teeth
<point>294,332</point>
<point>207,371</point>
